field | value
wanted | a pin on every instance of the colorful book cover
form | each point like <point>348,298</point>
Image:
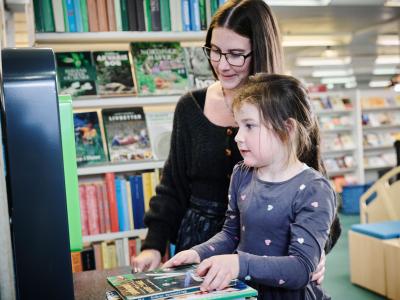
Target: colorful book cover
<point>198,68</point>
<point>175,283</point>
<point>114,73</point>
<point>159,124</point>
<point>159,68</point>
<point>76,73</point>
<point>88,141</point>
<point>126,134</point>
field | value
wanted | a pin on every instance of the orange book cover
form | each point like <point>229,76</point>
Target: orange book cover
<point>92,16</point>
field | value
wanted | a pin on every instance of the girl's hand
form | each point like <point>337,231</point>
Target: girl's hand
<point>319,273</point>
<point>147,260</point>
<point>218,270</point>
<point>183,257</point>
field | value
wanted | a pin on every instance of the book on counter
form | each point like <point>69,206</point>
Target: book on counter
<point>126,134</point>
<point>172,283</point>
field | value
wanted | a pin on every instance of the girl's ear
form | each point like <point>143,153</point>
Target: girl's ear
<point>291,126</point>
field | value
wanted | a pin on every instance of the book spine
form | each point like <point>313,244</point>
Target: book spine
<point>194,15</point>
<point>93,211</point>
<point>185,15</point>
<point>137,200</point>
<point>140,15</point>
<point>124,199</point>
<point>58,15</point>
<point>48,17</point>
<point>102,15</point>
<point>203,14</point>
<point>176,15</point>
<point>165,15</point>
<point>125,243</point>
<point>84,212</point>
<point>208,12</point>
<point>92,16</point>
<point>105,256</point>
<point>147,11</point>
<point>84,14</point>
<point>111,15</point>
<point>107,219</point>
<point>214,6</point>
<point>71,15</point>
<point>39,26</point>
<point>112,201</point>
<point>124,15</point>
<point>120,206</point>
<point>147,189</point>
<point>87,256</point>
<point>78,16</point>
<point>129,203</point>
<point>100,206</point>
<point>65,12</point>
<point>132,15</point>
<point>155,15</point>
<point>118,18</point>
<point>76,261</point>
<point>98,258</point>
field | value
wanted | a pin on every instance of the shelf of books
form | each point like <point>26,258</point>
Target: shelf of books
<point>381,128</point>
<point>340,135</point>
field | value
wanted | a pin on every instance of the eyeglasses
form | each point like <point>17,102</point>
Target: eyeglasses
<point>236,60</point>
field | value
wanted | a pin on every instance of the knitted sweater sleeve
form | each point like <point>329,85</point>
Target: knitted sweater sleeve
<point>170,203</point>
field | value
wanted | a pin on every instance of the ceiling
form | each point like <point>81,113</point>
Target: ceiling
<point>353,25</point>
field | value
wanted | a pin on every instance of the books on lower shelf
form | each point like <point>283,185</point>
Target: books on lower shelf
<point>380,160</point>
<point>173,283</point>
<point>380,102</point>
<point>376,139</point>
<point>376,119</point>
<point>339,141</point>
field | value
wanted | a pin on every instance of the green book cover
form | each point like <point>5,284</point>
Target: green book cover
<point>214,6</point>
<point>84,14</point>
<point>76,74</point>
<point>88,141</point>
<point>165,15</point>
<point>147,10</point>
<point>39,25</point>
<point>159,68</point>
<point>124,15</point>
<point>114,73</point>
<point>70,172</point>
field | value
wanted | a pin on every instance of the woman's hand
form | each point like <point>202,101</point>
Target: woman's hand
<point>183,257</point>
<point>147,260</point>
<point>319,273</point>
<point>218,270</point>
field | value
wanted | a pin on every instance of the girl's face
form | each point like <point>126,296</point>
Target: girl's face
<point>227,41</point>
<point>259,145</point>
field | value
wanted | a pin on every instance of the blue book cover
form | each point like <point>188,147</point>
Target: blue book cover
<point>194,15</point>
<point>121,204</point>
<point>137,200</point>
<point>71,15</point>
<point>185,15</point>
<point>78,16</point>
<point>122,182</point>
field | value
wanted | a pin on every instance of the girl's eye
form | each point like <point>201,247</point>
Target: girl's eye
<point>249,126</point>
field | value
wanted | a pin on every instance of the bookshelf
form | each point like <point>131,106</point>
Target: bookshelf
<point>120,167</point>
<point>141,233</point>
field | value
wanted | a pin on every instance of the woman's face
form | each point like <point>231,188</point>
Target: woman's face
<point>227,41</point>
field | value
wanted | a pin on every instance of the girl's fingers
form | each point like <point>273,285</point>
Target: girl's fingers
<point>225,282</point>
<point>218,280</point>
<point>211,274</point>
<point>203,267</point>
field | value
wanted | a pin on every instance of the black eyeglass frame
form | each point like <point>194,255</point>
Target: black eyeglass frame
<point>245,56</point>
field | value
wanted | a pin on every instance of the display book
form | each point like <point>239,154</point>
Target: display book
<point>180,282</point>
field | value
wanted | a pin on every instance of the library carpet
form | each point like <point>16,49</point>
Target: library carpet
<point>337,279</point>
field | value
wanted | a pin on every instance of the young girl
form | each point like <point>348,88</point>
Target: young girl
<point>280,210</point>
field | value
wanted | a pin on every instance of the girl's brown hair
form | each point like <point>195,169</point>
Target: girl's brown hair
<point>252,19</point>
<point>280,98</point>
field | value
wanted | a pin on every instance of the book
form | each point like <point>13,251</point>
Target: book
<point>126,134</point>
<point>198,68</point>
<point>236,292</point>
<point>159,68</point>
<point>114,73</point>
<point>76,73</point>
<point>88,141</point>
<point>162,283</point>
<point>159,124</point>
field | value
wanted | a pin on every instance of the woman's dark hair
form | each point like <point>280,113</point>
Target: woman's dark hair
<point>280,98</point>
<point>252,19</point>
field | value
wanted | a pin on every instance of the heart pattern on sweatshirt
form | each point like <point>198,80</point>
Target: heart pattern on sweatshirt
<point>302,187</point>
<point>267,242</point>
<point>270,207</point>
<point>300,240</point>
<point>315,204</point>
<point>243,197</point>
<point>281,281</point>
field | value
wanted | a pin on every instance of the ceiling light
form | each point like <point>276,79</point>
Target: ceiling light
<point>385,71</point>
<point>298,2</point>
<point>328,73</point>
<point>322,61</point>
<point>392,3</point>
<point>388,40</point>
<point>350,85</point>
<point>387,59</point>
<point>379,83</point>
<point>336,80</point>
<point>315,40</point>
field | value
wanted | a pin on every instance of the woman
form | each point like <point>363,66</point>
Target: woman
<point>191,200</point>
